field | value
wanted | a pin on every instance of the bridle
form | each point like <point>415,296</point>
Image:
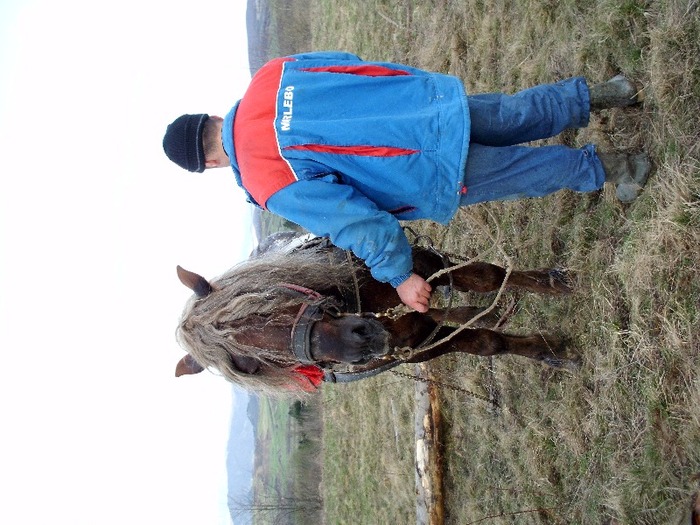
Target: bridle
<point>309,314</point>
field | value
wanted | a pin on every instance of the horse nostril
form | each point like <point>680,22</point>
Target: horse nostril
<point>360,330</point>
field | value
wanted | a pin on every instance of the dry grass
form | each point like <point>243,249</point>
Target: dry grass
<point>618,442</point>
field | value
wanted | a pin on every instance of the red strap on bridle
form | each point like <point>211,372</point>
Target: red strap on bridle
<point>313,373</point>
<point>302,289</point>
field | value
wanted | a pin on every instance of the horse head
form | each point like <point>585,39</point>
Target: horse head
<point>322,335</point>
<point>188,365</point>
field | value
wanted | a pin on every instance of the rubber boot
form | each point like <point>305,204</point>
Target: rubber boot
<point>618,92</point>
<point>629,173</point>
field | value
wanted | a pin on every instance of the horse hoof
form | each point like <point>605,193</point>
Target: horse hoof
<point>561,280</point>
<point>563,363</point>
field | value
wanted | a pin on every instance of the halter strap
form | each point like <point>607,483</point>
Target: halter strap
<point>302,289</point>
<point>300,343</point>
<point>308,315</point>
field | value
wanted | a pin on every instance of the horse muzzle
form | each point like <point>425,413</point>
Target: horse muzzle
<point>348,339</point>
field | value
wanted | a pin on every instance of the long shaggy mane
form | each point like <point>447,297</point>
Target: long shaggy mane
<point>252,296</point>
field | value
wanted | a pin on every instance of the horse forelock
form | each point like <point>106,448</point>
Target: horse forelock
<point>243,296</point>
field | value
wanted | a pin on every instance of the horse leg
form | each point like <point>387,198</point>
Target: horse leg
<point>464,314</point>
<point>485,277</point>
<point>483,342</point>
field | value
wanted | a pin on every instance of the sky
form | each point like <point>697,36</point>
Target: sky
<point>93,221</point>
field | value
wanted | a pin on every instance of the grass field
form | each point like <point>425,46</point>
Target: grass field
<point>619,441</point>
<point>287,463</point>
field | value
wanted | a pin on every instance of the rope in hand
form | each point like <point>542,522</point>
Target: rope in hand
<point>496,244</point>
<point>426,345</point>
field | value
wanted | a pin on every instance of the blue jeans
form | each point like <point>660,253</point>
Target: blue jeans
<point>499,169</point>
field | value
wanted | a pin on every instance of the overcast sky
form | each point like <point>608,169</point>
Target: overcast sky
<point>94,219</point>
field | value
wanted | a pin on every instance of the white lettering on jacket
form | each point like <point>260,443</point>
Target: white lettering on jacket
<point>287,104</point>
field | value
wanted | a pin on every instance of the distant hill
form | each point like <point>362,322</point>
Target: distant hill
<point>267,38</point>
<point>276,30</point>
<point>258,26</point>
<point>241,455</point>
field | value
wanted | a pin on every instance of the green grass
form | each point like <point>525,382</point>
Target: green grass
<point>273,430</point>
<point>369,484</point>
<point>619,441</point>
<point>288,465</point>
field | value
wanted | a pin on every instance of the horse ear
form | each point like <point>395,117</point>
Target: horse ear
<point>186,366</point>
<point>198,284</point>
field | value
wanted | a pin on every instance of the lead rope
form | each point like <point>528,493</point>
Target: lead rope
<point>448,386</point>
<point>493,402</point>
<point>358,301</point>
<point>448,309</point>
<point>406,353</point>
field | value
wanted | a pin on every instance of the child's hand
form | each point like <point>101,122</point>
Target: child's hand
<point>415,293</point>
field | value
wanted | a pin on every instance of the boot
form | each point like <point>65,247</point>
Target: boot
<point>628,172</point>
<point>618,92</point>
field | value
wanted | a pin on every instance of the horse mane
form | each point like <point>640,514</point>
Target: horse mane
<point>251,296</point>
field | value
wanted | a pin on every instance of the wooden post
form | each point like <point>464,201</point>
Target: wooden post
<point>429,497</point>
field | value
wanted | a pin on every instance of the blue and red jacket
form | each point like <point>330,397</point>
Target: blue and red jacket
<point>347,148</point>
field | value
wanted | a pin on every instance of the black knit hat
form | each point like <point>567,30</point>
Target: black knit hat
<point>183,142</point>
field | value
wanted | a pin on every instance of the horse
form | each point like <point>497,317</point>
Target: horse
<point>286,318</point>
